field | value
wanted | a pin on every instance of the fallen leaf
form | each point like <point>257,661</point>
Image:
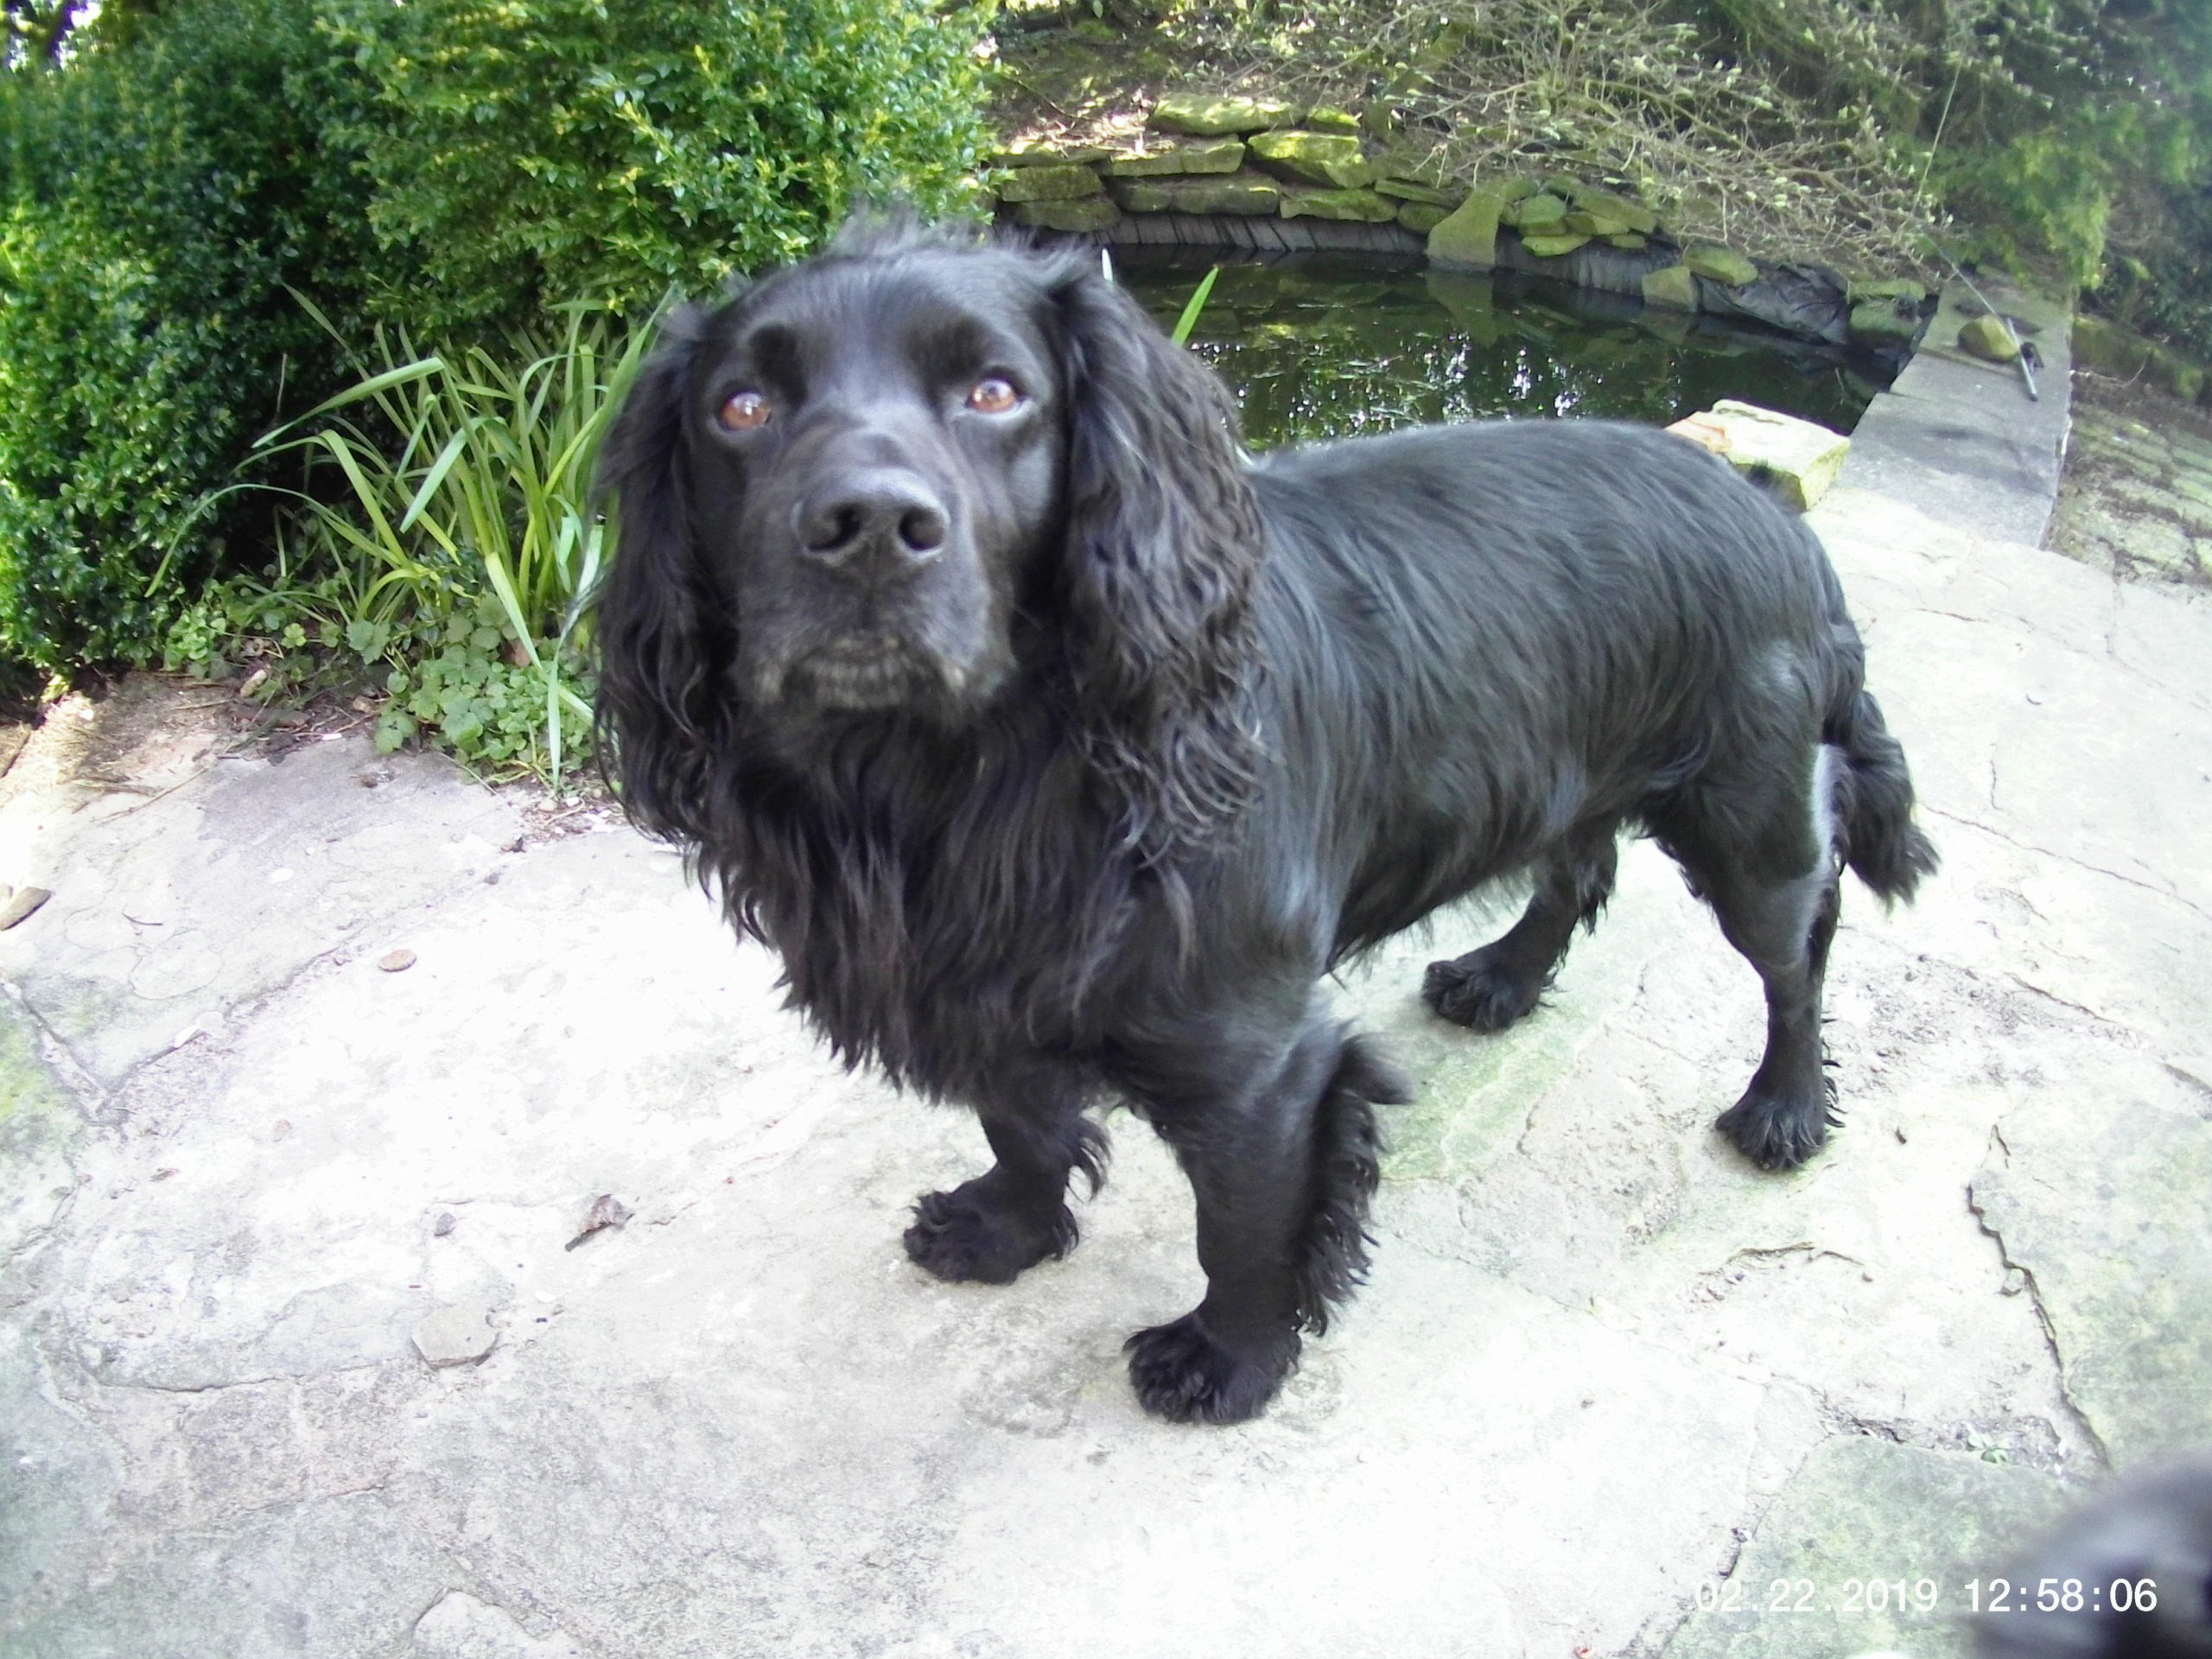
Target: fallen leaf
<point>607,1210</point>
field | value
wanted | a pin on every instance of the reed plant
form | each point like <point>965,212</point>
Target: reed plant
<point>441,527</point>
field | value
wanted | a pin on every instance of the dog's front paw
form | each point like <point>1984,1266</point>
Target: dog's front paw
<point>957,1238</point>
<point>1181,1373</point>
<point>1478,991</point>
<point>1776,1130</point>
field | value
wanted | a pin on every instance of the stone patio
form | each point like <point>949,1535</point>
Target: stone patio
<point>1608,1387</point>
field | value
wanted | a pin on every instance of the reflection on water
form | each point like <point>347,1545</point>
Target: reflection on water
<point>1326,346</point>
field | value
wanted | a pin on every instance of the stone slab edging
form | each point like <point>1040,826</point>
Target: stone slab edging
<point>1959,438</point>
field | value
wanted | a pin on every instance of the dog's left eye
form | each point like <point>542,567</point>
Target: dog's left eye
<point>743,412</point>
<point>993,395</point>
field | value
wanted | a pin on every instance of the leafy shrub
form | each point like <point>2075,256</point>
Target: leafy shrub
<point>620,147</point>
<point>155,203</point>
<point>446,534</point>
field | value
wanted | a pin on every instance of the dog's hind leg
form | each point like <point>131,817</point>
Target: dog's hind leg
<point>1016,1213</point>
<point>1282,1172</point>
<point>1489,989</point>
<point>1762,855</point>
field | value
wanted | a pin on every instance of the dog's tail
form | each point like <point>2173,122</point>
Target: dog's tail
<point>1347,1167</point>
<point>1873,799</point>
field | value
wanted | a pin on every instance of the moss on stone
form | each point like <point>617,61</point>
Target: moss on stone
<point>1722,264</point>
<point>1060,183</point>
<point>1359,206</point>
<point>1552,247</point>
<point>1323,158</point>
<point>1221,155</point>
<point>1467,237</point>
<point>1091,213</point>
<point>1672,286</point>
<point>1210,116</point>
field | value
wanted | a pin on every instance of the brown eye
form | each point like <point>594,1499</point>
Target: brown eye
<point>743,412</point>
<point>993,396</point>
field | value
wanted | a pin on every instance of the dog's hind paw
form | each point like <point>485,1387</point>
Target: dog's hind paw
<point>1477,991</point>
<point>1181,1373</point>
<point>956,1239</point>
<point>1776,1132</point>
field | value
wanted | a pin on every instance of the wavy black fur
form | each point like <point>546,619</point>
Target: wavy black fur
<point>1059,749</point>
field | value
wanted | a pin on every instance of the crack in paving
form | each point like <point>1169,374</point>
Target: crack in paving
<point>2034,1293</point>
<point>2016,842</point>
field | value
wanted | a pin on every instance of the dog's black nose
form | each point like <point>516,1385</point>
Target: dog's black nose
<point>873,522</point>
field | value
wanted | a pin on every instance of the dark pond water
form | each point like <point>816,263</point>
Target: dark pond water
<point>1326,346</point>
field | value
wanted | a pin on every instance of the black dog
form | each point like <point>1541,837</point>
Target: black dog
<point>1059,748</point>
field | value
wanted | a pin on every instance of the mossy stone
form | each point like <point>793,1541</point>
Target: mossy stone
<point>1222,156</point>
<point>1627,214</point>
<point>1540,214</point>
<point>1988,338</point>
<point>1323,158</point>
<point>1360,206</point>
<point>1061,183</point>
<point>1322,119</point>
<point>1239,192</point>
<point>1552,247</point>
<point>1407,190</point>
<point>1039,152</point>
<point>1211,117</point>
<point>1421,216</point>
<point>1887,322</point>
<point>1674,287</point>
<point>1519,188</point>
<point>1629,242</point>
<point>1467,236</point>
<point>1086,213</point>
<point>1581,221</point>
<point>1887,288</point>
<point>2109,348</point>
<point>1722,264</point>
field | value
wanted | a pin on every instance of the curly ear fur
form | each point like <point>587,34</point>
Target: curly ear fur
<point>660,649</point>
<point>1163,548</point>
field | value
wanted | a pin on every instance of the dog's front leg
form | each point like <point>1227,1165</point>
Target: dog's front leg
<point>1016,1213</point>
<point>1281,1160</point>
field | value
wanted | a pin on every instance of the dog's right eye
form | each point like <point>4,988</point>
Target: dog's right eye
<point>743,412</point>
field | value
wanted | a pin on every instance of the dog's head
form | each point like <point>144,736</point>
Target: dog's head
<point>907,481</point>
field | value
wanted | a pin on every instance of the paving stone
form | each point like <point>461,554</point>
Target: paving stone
<point>155,926</point>
<point>2105,1209</point>
<point>1865,1512</point>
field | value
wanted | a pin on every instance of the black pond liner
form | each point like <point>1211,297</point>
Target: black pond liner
<point>1326,344</point>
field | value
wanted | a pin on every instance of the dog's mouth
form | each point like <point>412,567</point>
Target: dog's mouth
<point>869,672</point>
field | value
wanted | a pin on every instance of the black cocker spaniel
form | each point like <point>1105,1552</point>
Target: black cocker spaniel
<point>1059,747</point>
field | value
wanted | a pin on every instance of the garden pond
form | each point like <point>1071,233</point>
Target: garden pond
<point>1319,346</point>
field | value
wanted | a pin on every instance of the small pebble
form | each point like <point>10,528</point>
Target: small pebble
<point>25,900</point>
<point>455,1336</point>
<point>444,1224</point>
<point>396,961</point>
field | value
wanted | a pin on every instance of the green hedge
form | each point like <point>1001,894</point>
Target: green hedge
<point>154,203</point>
<point>539,149</point>
<point>454,165</point>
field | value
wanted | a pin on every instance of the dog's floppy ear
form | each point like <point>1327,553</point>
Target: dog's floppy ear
<point>660,649</point>
<point>1163,548</point>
